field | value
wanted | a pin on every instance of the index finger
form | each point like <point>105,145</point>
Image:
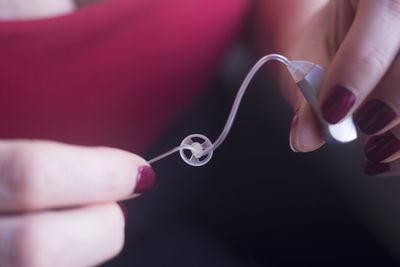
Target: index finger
<point>362,59</point>
<point>41,174</point>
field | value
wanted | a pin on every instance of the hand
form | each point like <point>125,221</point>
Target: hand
<point>58,202</point>
<point>358,42</point>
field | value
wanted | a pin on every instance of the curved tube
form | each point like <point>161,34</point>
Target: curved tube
<point>232,114</point>
<point>172,151</point>
<point>239,96</point>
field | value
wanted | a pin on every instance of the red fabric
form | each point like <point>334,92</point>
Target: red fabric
<point>115,73</point>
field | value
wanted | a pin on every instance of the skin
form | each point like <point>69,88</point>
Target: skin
<point>357,51</point>
<point>356,41</point>
<point>53,195</point>
<point>87,182</point>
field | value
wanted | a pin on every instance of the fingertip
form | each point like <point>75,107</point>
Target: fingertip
<point>375,168</point>
<point>337,104</point>
<point>138,160</point>
<point>140,174</point>
<point>305,135</point>
<point>145,179</point>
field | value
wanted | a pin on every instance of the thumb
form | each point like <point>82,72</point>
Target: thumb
<point>304,133</point>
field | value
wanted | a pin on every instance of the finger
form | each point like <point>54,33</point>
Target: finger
<point>380,111</point>
<point>304,134</point>
<point>383,147</point>
<point>36,175</point>
<point>86,236</point>
<point>382,169</point>
<point>362,59</point>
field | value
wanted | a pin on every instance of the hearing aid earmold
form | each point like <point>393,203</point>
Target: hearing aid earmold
<point>199,143</point>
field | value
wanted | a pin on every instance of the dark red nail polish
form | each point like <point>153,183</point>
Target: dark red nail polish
<point>145,179</point>
<point>124,212</point>
<point>337,104</point>
<point>372,168</point>
<point>374,116</point>
<point>381,147</point>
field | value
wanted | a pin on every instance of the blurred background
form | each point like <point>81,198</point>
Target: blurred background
<point>257,203</point>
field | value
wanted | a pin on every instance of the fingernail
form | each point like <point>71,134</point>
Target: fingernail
<point>372,168</point>
<point>374,116</point>
<point>292,125</point>
<point>337,104</point>
<point>144,180</point>
<point>124,212</point>
<point>382,146</point>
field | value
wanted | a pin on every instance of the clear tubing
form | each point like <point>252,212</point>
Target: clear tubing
<point>232,114</point>
<point>171,151</point>
<point>239,96</point>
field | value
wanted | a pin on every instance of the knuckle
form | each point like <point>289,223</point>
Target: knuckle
<point>374,61</point>
<point>378,63</point>
<point>386,10</point>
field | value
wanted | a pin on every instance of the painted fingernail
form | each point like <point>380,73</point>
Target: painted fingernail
<point>381,146</point>
<point>292,125</point>
<point>374,116</point>
<point>144,180</point>
<point>124,212</point>
<point>372,168</point>
<point>337,104</point>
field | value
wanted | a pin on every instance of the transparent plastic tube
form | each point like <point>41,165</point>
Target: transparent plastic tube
<point>239,96</point>
<point>230,120</point>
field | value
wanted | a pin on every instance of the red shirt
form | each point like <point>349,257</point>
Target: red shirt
<point>114,73</point>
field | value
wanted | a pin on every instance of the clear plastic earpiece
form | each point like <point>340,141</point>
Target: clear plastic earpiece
<point>199,143</point>
<point>197,149</point>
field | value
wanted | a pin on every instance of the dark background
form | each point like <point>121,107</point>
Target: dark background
<point>257,203</point>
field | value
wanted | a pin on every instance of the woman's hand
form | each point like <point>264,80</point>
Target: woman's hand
<point>358,42</point>
<point>58,202</point>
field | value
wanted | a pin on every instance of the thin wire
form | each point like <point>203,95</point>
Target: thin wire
<point>232,114</point>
